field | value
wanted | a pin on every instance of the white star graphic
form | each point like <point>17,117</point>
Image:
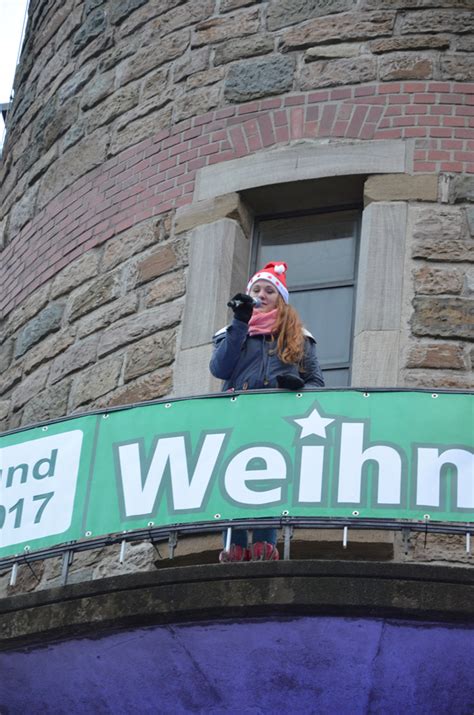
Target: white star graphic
<point>313,424</point>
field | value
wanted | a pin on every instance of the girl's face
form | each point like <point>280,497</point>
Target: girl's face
<point>267,295</point>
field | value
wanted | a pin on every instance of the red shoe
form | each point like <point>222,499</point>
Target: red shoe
<point>264,551</point>
<point>236,553</point>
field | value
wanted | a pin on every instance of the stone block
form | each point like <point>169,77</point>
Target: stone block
<point>112,107</point>
<point>239,49</point>
<point>101,290</point>
<point>342,49</point>
<point>382,372</point>
<point>436,379</point>
<point>443,249</point>
<point>75,274</point>
<point>29,387</point>
<point>47,321</point>
<point>401,187</point>
<point>470,219</point>
<point>140,129</point>
<point>305,160</point>
<point>336,72</point>
<point>96,381</point>
<point>469,281</point>
<point>128,243</point>
<point>75,358</point>
<point>191,373</point>
<point>443,20</point>
<point>201,79</point>
<point>191,62</point>
<point>443,317</point>
<point>218,29</point>
<point>139,557</point>
<point>147,59</point>
<point>282,13</point>
<point>77,81</point>
<point>228,5</point>
<point>23,211</point>
<point>94,25</point>
<point>6,354</point>
<point>195,103</point>
<point>410,42</point>
<point>10,378</point>
<point>149,387</point>
<point>461,188</point>
<point>450,356</point>
<point>259,78</point>
<point>105,316</point>
<point>123,8</point>
<point>189,13</point>
<point>74,135</point>
<point>219,254</point>
<point>49,404</point>
<point>100,87</point>
<point>381,264</point>
<point>156,264</point>
<point>347,25</point>
<point>139,326</point>
<point>48,349</point>
<point>404,65</point>
<point>429,280</point>
<point>77,161</point>
<point>4,409</point>
<point>149,354</point>
<point>202,212</point>
<point>164,289</point>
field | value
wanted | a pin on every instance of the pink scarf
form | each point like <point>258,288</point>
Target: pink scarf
<point>262,323</point>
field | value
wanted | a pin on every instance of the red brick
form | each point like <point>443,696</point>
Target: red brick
<point>184,178</point>
<point>419,155</point>
<point>424,166</point>
<point>200,141</point>
<point>209,149</point>
<point>214,126</point>
<point>339,129</point>
<point>318,97</point>
<point>464,111</point>
<point>399,99</point>
<point>225,113</point>
<point>364,91</point>
<point>254,142</point>
<point>469,169</point>
<point>204,119</point>
<point>191,154</point>
<point>389,87</point>
<point>238,141</point>
<point>177,171</point>
<point>266,130</point>
<point>417,109</point>
<point>280,118</point>
<point>196,163</point>
<point>440,132</point>
<point>225,146</point>
<point>248,108</point>
<point>463,156</point>
<point>454,122</point>
<point>452,166</point>
<point>368,131</point>
<point>424,98</point>
<point>181,126</point>
<point>466,87</point>
<point>414,87</point>
<point>310,130</point>
<point>452,144</point>
<point>344,111</point>
<point>282,134</point>
<point>271,103</point>
<point>441,110</point>
<point>356,122</point>
<point>402,122</point>
<point>388,134</point>
<point>312,113</point>
<point>294,101</point>
<point>183,146</point>
<point>464,133</point>
<point>219,135</point>
<point>385,123</point>
<point>375,113</point>
<point>296,123</point>
<point>327,119</point>
<point>428,121</point>
<point>183,200</point>
<point>340,94</point>
<point>438,155</point>
<point>439,87</point>
<point>192,133</point>
<point>451,99</point>
<point>222,156</point>
<point>168,164</point>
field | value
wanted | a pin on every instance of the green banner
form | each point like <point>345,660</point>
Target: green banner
<point>383,455</point>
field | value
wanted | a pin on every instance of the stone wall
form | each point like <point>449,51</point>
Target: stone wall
<point>121,105</point>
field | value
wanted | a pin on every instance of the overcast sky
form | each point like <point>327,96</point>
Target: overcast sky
<point>12,13</point>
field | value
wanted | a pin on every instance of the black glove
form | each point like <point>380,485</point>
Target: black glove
<point>243,306</point>
<point>289,381</point>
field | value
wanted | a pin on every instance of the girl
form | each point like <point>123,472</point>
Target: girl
<point>265,346</point>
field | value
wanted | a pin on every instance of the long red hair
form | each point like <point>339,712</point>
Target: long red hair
<point>289,328</point>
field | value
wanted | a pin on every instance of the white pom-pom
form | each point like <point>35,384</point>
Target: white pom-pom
<point>279,269</point>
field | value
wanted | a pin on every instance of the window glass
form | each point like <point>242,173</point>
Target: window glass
<point>320,250</point>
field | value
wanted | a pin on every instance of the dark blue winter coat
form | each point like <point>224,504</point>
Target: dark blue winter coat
<point>252,363</point>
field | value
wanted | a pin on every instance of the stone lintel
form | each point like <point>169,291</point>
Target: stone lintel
<point>304,160</point>
<point>401,187</point>
<point>376,358</point>
<point>213,209</point>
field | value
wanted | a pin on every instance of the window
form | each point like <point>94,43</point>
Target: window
<point>321,252</point>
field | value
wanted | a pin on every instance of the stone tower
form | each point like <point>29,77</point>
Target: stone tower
<point>148,143</point>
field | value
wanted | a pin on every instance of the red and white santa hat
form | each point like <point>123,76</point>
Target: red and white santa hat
<point>274,272</point>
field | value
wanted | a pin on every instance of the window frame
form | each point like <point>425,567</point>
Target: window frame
<point>320,211</point>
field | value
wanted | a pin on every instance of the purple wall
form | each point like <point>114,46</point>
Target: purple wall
<point>323,665</point>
